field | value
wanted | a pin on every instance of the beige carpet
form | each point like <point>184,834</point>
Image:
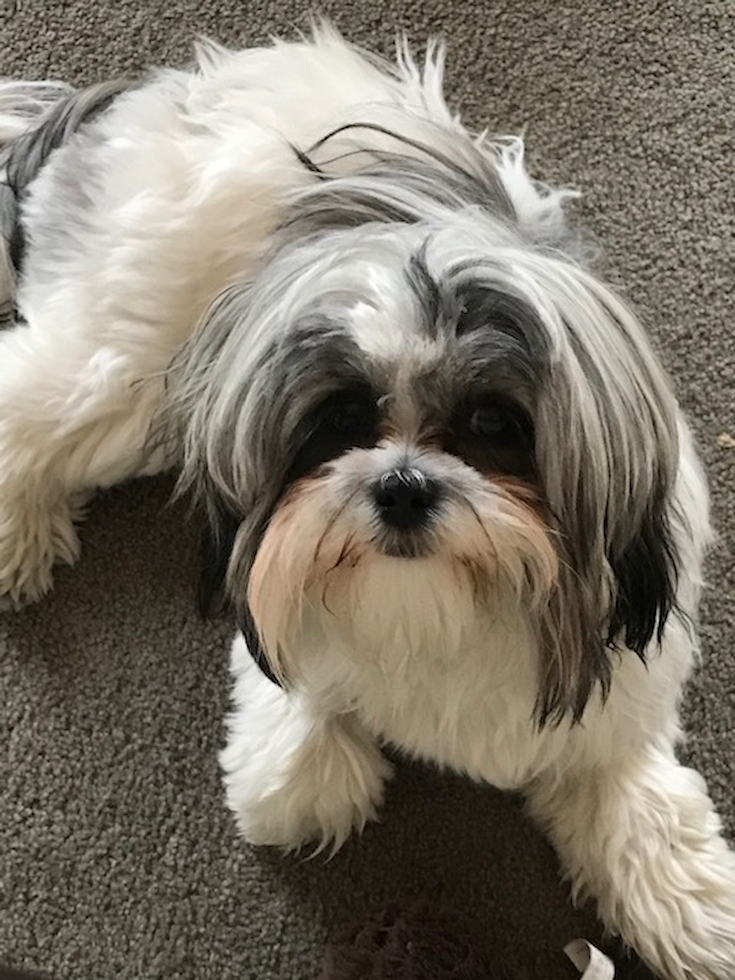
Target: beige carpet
<point>117,859</point>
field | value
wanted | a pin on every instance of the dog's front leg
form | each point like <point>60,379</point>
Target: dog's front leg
<point>642,838</point>
<point>293,773</point>
<point>73,417</point>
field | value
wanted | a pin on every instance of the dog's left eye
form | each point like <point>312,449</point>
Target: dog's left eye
<point>492,434</point>
<point>496,422</point>
<point>490,421</point>
<point>349,417</point>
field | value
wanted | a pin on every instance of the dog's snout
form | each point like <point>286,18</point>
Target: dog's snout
<point>405,498</point>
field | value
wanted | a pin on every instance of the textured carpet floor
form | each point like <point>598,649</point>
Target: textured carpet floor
<point>117,858</point>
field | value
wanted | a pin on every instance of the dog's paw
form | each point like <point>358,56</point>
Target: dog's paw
<point>292,776</point>
<point>319,802</point>
<point>32,541</point>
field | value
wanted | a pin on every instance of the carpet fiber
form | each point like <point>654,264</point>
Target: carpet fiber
<point>117,858</point>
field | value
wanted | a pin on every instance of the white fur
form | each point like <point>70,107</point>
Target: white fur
<point>192,172</point>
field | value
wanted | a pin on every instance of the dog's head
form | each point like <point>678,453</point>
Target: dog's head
<point>420,409</point>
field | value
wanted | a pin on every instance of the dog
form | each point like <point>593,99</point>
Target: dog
<point>448,489</point>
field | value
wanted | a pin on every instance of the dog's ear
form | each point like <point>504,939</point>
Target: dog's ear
<point>645,579</point>
<point>252,639</point>
<point>604,601</point>
<point>216,541</point>
<point>611,499</point>
<point>216,545</point>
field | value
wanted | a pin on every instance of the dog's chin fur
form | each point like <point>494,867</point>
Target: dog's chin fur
<point>293,274</point>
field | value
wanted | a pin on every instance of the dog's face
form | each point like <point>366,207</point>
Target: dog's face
<point>403,426</point>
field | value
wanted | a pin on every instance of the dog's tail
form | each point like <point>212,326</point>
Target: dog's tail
<point>36,118</point>
<point>23,106</point>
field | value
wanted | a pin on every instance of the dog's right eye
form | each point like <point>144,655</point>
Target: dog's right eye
<point>351,417</point>
<point>345,420</point>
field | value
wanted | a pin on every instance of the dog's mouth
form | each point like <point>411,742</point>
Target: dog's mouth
<point>405,545</point>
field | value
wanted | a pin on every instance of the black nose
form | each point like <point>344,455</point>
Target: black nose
<point>405,498</point>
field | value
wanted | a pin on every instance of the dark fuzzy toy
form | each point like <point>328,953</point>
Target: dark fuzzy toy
<point>415,941</point>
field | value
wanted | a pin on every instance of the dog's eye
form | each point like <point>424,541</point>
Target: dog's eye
<point>344,420</point>
<point>490,421</point>
<point>492,434</point>
<point>351,417</point>
<point>496,422</point>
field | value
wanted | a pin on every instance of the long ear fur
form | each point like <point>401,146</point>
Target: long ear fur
<point>645,573</point>
<point>610,491</point>
<point>216,542</point>
<point>216,545</point>
<point>584,626</point>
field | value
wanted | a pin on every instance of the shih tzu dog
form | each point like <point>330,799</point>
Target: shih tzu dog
<point>449,491</point>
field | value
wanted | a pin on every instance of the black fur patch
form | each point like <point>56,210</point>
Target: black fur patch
<point>647,581</point>
<point>215,547</point>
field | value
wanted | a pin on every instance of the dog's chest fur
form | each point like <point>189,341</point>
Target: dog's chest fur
<point>470,712</point>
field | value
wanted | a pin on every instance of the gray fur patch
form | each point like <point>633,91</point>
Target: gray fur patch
<point>23,158</point>
<point>403,185</point>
